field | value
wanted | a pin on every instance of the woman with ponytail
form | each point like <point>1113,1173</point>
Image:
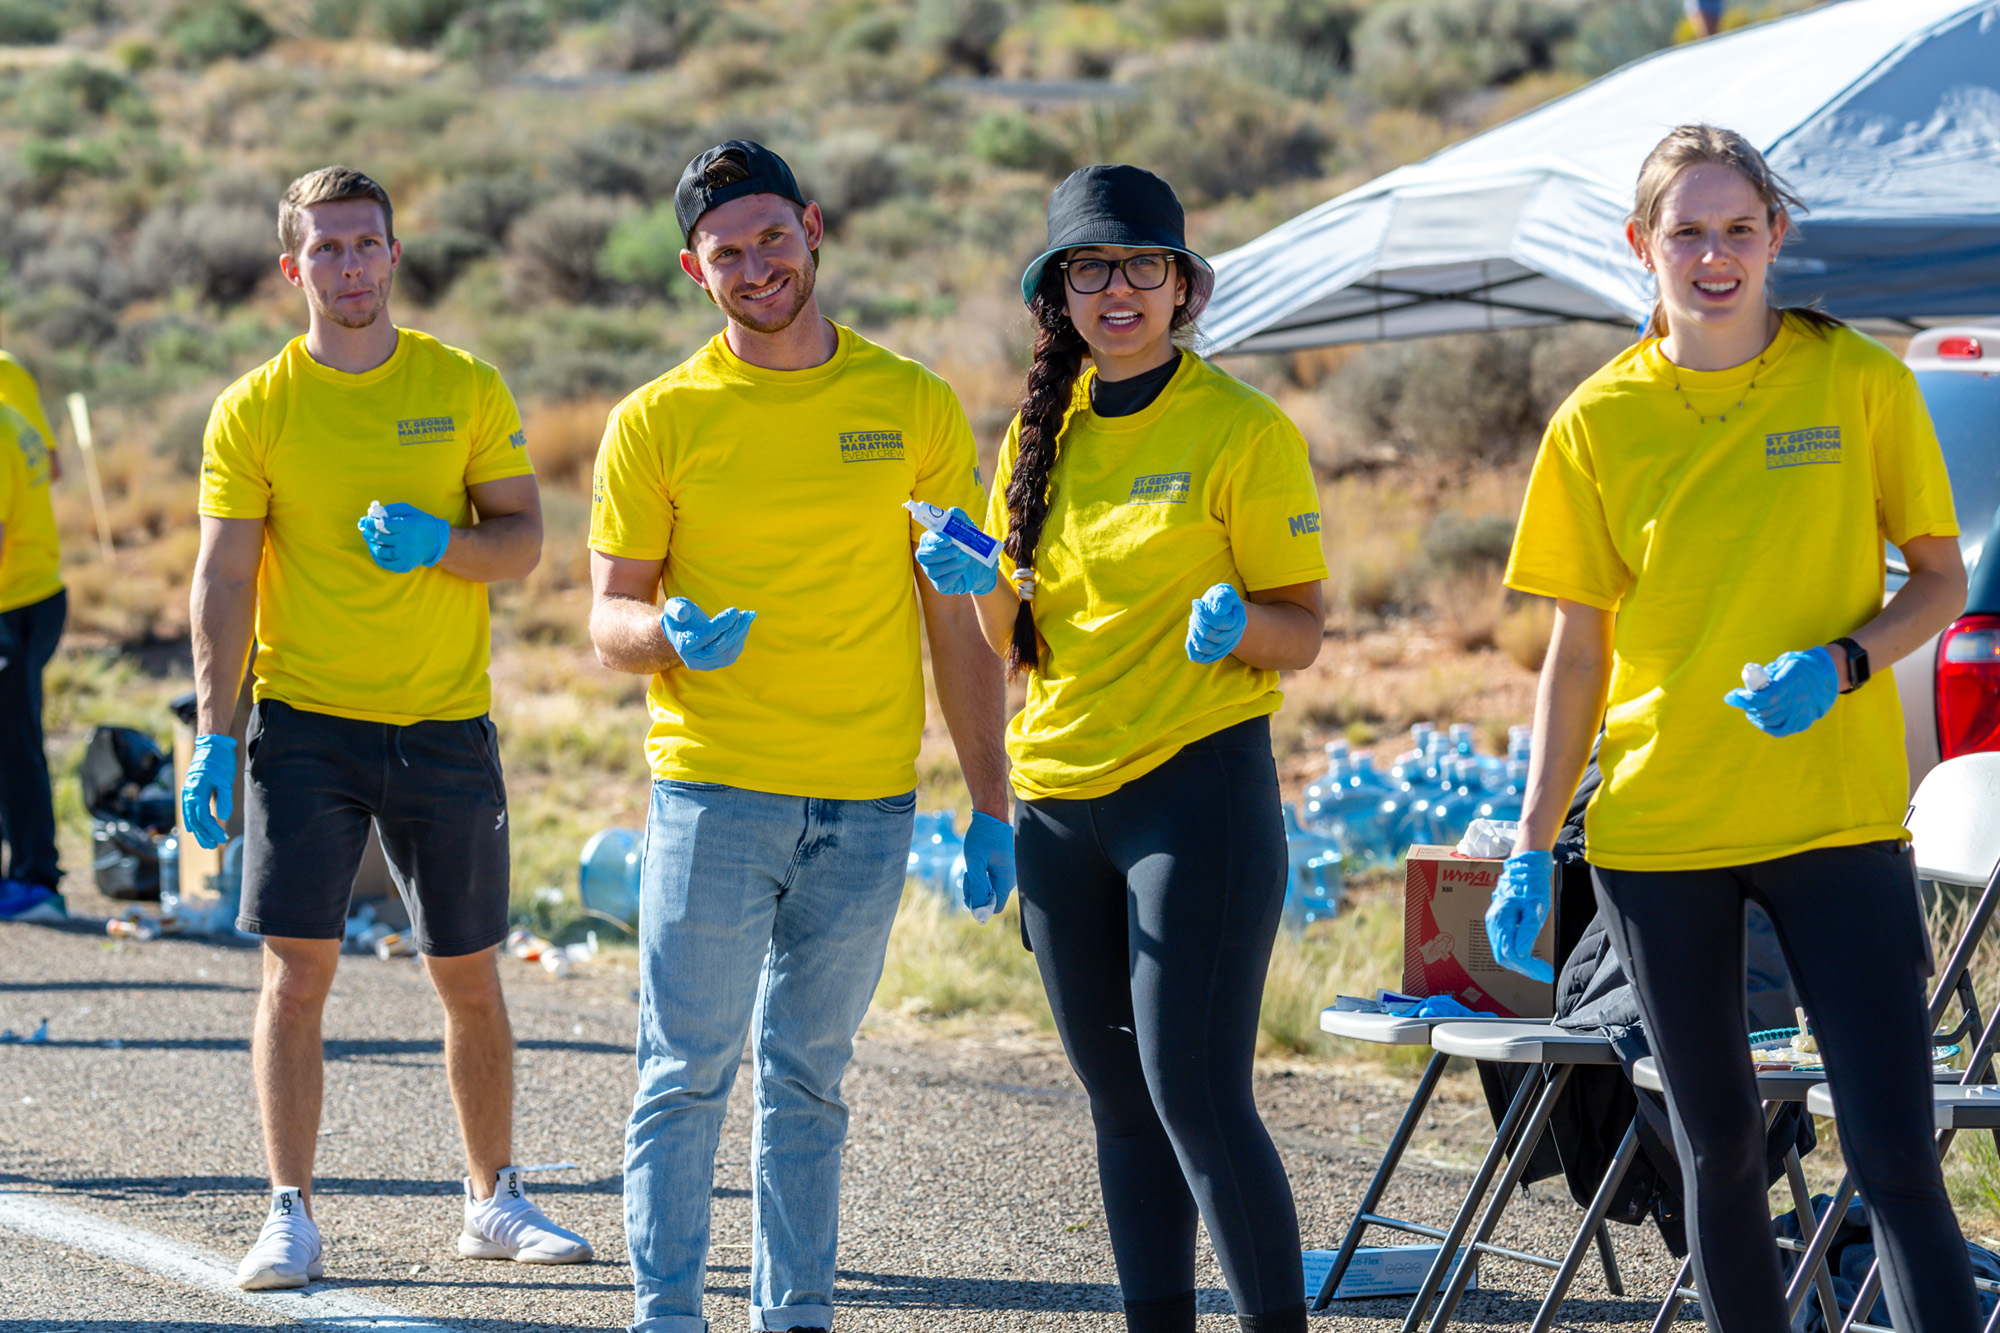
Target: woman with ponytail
<point>1136,481</point>
<point>1719,494</point>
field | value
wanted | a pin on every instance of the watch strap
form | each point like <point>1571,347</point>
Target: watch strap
<point>1857,663</point>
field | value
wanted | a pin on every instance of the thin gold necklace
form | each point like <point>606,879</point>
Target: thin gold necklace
<point>1720,416</point>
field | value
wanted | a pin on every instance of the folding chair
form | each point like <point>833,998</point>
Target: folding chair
<point>1953,1108</point>
<point>1774,1089</point>
<point>1954,820</point>
<point>1385,1030</point>
<point>1554,1054</point>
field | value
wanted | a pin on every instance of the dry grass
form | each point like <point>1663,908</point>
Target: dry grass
<point>563,440</point>
<point>1524,632</point>
<point>1470,605</point>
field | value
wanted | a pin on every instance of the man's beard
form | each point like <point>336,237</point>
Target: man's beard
<point>772,320</point>
<point>357,319</point>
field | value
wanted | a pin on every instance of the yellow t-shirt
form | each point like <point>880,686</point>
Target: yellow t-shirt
<point>305,448</point>
<point>1209,483</point>
<point>28,558</point>
<point>780,492</point>
<point>1728,543</point>
<point>18,391</point>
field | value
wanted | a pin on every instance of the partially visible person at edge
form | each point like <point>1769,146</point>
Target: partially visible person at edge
<point>1162,565</point>
<point>33,606</point>
<point>1716,495</point>
<point>372,693</point>
<point>759,485</point>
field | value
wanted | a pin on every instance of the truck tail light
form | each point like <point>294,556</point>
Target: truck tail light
<point>1968,686</point>
<point>1960,349</point>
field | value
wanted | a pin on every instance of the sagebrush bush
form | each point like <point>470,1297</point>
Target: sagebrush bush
<point>433,261</point>
<point>1466,395</point>
<point>556,246</point>
<point>1424,53</point>
<point>961,33</point>
<point>221,250</point>
<point>499,34</point>
<point>644,252</point>
<point>1323,27</point>
<point>1010,139</point>
<point>1614,33</point>
<point>1212,135</point>
<point>205,31</point>
<point>485,205</point>
<point>849,172</point>
<point>28,23</point>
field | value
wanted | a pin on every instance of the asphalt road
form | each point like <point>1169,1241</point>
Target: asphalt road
<point>131,1180</point>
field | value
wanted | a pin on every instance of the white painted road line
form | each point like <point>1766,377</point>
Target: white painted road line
<point>319,1308</point>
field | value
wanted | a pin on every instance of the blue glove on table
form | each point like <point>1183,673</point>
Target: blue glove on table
<point>405,538</point>
<point>948,567</point>
<point>1803,686</point>
<point>1216,624</point>
<point>704,644</point>
<point>211,774</point>
<point>988,877</point>
<point>1520,904</point>
<point>1449,1006</point>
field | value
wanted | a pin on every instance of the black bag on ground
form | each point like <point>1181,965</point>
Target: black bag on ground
<point>126,782</point>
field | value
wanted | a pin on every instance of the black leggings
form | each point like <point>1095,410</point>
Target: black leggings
<point>1854,936</point>
<point>1151,912</point>
<point>28,638</point>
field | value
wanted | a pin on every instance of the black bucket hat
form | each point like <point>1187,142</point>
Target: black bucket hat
<point>766,174</point>
<point>1119,205</point>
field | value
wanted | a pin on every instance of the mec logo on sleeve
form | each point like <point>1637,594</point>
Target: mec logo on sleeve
<point>1301,524</point>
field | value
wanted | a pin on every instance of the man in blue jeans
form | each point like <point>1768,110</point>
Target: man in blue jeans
<point>769,471</point>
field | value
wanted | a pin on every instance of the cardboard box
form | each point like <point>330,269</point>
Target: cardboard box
<point>1445,897</point>
<point>1376,1270</point>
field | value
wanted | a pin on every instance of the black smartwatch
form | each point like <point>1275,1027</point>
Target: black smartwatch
<point>1857,664</point>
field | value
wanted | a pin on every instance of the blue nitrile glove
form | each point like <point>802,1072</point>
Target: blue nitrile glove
<point>414,539</point>
<point>1216,624</point>
<point>1803,686</point>
<point>1448,1006</point>
<point>1520,905</point>
<point>704,644</point>
<point>948,567</point>
<point>989,867</point>
<point>211,774</point>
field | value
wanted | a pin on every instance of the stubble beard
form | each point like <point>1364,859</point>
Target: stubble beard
<point>765,321</point>
<point>331,312</point>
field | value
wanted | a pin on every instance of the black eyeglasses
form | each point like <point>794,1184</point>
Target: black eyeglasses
<point>1143,272</point>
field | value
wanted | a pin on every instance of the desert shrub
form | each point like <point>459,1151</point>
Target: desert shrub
<point>61,317</point>
<point>849,172</point>
<point>51,164</point>
<point>1524,631</point>
<point>221,249</point>
<point>484,205</point>
<point>644,250</point>
<point>899,228</point>
<point>652,34</point>
<point>28,23</point>
<point>181,437</point>
<point>877,33</point>
<point>1324,27</point>
<point>622,159</point>
<point>1616,32</point>
<point>1461,542</point>
<point>499,34</point>
<point>1453,396</point>
<point>205,31</point>
<point>1283,67</point>
<point>1423,53</point>
<point>1211,135</point>
<point>1192,20</point>
<point>556,246</point>
<point>80,259</point>
<point>335,18</point>
<point>1567,355</point>
<point>962,33</point>
<point>58,101</point>
<point>433,261</point>
<point>1010,139</point>
<point>418,23</point>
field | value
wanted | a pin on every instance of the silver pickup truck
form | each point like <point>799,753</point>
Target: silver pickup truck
<point>1950,688</point>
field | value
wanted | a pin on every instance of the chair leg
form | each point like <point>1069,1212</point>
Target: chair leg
<point>1795,1176</point>
<point>1614,1281</point>
<point>1517,1166</point>
<point>1412,1117</point>
<point>1510,1125</point>
<point>1593,1225</point>
<point>1671,1306</point>
<point>1816,1248</point>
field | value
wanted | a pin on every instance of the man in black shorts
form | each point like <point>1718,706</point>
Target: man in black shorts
<point>358,493</point>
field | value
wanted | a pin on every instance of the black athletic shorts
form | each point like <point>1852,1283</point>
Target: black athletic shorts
<point>435,793</point>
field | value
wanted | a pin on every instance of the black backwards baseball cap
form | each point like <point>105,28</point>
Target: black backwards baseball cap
<point>764,173</point>
<point>1119,205</point>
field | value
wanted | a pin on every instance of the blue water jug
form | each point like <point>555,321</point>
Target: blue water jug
<point>934,845</point>
<point>1313,883</point>
<point>607,876</point>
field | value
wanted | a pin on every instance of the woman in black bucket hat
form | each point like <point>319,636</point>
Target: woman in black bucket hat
<point>1150,847</point>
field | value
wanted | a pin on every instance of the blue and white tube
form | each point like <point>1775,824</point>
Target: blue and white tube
<point>956,529</point>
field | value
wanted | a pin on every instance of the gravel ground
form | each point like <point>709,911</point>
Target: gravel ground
<point>970,1197</point>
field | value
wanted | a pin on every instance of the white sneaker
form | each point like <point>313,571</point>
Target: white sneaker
<point>287,1252</point>
<point>507,1226</point>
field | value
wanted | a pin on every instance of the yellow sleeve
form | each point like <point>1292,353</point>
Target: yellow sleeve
<point>18,391</point>
<point>1912,488</point>
<point>1563,546</point>
<point>996,499</point>
<point>233,480</point>
<point>499,444</point>
<point>1270,508</point>
<point>948,466</point>
<point>631,514</point>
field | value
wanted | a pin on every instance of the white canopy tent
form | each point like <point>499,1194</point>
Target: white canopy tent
<point>1883,115</point>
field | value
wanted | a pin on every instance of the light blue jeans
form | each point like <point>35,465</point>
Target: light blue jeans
<point>766,916</point>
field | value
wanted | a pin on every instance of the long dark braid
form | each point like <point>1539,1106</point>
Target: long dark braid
<point>1059,353</point>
